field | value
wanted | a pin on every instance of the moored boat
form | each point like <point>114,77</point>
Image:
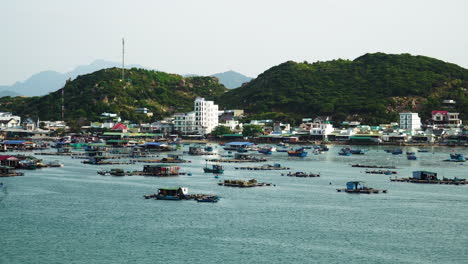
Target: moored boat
<point>300,152</point>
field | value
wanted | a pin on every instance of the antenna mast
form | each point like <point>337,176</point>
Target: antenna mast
<point>63,103</point>
<point>123,59</point>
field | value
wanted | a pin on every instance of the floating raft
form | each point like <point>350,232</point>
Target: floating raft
<point>169,161</point>
<point>302,175</point>
<point>365,191</point>
<point>443,181</point>
<point>244,184</point>
<point>264,167</point>
<point>237,160</point>
<point>372,166</point>
<point>201,198</point>
<point>386,172</point>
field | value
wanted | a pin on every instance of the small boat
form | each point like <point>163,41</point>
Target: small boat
<point>410,153</point>
<point>297,153</point>
<point>208,148</point>
<point>344,152</point>
<point>411,157</point>
<point>216,176</point>
<point>208,199</point>
<point>396,151</point>
<point>266,150</point>
<point>423,150</point>
<point>242,150</point>
<point>214,169</point>
<point>456,158</point>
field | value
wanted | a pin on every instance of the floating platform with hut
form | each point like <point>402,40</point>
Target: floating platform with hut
<point>181,193</point>
<point>427,177</point>
<point>359,187</point>
<point>276,166</point>
<point>159,171</point>
<point>198,151</point>
<point>244,183</point>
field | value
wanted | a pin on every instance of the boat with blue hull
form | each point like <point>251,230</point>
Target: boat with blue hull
<point>300,152</point>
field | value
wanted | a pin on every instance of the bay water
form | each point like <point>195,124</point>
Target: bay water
<point>73,215</point>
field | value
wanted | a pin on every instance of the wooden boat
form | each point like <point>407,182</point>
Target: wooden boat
<point>214,169</point>
<point>208,199</point>
<point>300,152</point>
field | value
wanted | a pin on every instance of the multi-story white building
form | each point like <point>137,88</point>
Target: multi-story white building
<point>318,128</point>
<point>206,116</point>
<point>410,121</point>
<point>445,119</point>
<point>184,122</point>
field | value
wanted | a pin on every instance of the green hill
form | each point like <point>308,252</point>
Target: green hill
<point>372,88</point>
<point>103,91</point>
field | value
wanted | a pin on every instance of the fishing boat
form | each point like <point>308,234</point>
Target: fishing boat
<point>456,158</point>
<point>214,169</point>
<point>266,150</point>
<point>344,152</point>
<point>397,151</point>
<point>300,152</point>
<point>423,150</point>
<point>113,172</point>
<point>208,148</point>
<point>173,194</point>
<point>208,199</point>
<point>411,157</point>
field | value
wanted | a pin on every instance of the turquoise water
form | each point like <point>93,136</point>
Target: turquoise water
<point>73,215</point>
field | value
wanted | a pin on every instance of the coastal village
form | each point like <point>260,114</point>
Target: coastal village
<point>443,128</point>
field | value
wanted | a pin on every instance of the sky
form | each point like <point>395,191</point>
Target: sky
<point>210,36</point>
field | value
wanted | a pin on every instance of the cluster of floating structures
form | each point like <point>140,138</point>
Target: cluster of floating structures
<point>181,193</point>
<point>427,177</point>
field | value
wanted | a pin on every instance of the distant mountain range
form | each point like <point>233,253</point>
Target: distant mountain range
<point>45,82</point>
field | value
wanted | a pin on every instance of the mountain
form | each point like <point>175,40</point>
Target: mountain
<point>8,93</point>
<point>232,79</point>
<point>48,81</point>
<point>373,88</point>
<point>91,94</point>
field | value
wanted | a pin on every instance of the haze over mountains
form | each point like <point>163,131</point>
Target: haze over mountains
<point>45,82</point>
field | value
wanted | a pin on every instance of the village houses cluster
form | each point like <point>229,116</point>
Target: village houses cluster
<point>443,127</point>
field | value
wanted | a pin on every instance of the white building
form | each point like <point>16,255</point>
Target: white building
<point>6,119</point>
<point>410,121</point>
<point>233,125</point>
<point>206,116</point>
<point>184,122</point>
<point>317,127</point>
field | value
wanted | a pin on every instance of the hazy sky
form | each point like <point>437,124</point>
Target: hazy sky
<point>210,36</point>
